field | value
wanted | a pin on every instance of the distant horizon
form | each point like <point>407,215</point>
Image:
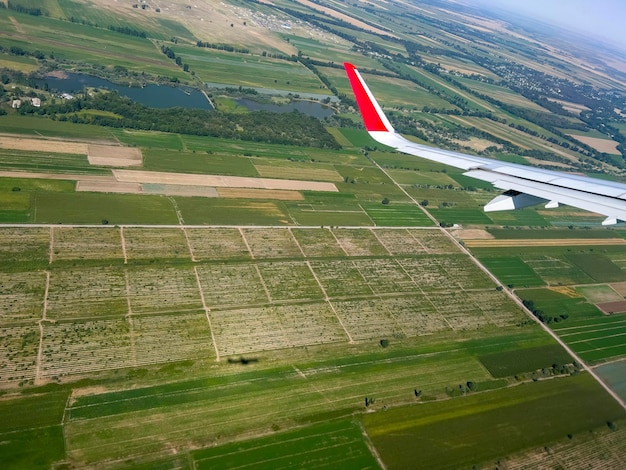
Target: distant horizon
<point>600,19</point>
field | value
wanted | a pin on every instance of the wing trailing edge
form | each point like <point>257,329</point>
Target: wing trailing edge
<point>523,185</point>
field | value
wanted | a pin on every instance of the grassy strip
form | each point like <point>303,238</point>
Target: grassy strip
<point>508,363</point>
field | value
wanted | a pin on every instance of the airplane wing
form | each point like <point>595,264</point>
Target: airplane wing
<point>524,185</point>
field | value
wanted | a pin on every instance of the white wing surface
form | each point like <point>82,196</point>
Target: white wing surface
<point>523,185</point>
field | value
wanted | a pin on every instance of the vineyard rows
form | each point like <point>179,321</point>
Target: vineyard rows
<point>247,291</point>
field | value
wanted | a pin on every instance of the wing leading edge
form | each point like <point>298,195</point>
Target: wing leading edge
<point>523,185</point>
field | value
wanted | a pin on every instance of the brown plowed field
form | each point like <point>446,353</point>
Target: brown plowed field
<point>133,176</point>
<point>43,145</point>
<point>114,155</point>
<point>105,186</point>
<point>619,306</point>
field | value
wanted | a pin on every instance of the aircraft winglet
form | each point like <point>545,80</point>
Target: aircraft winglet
<point>529,184</point>
<point>373,116</point>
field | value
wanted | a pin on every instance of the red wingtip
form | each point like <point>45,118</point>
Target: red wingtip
<point>371,116</point>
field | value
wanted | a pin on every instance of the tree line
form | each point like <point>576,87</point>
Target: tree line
<point>293,128</point>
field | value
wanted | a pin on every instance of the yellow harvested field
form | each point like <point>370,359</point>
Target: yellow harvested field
<point>219,181</point>
<point>104,155</point>
<point>43,145</point>
<point>483,243</point>
<point>619,287</point>
<point>248,193</point>
<point>55,176</point>
<point>601,145</point>
<point>472,234</point>
<point>289,172</point>
<point>477,144</point>
<point>566,290</point>
<point>113,155</point>
<point>108,186</point>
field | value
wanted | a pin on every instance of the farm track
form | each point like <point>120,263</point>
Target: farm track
<point>40,324</point>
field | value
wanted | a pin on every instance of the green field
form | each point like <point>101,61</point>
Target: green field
<point>92,208</point>
<point>438,435</point>
<point>555,265</point>
<point>396,215</point>
<point>324,445</point>
<point>507,363</point>
<point>32,435</point>
<point>512,271</point>
<point>560,234</point>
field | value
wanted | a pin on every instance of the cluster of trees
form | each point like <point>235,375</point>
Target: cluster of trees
<point>240,90</point>
<point>463,388</point>
<point>22,9</point>
<point>170,53</point>
<point>223,47</point>
<point>128,31</point>
<point>572,368</point>
<point>17,50</point>
<point>541,315</point>
<point>292,128</point>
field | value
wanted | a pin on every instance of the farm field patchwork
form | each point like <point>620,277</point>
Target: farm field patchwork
<point>271,244</point>
<point>302,328</point>
<point>582,262</point>
<point>217,244</point>
<point>424,432</point>
<point>269,279</point>
<point>593,335</point>
<point>316,243</point>
<point>595,340</point>
<point>312,390</point>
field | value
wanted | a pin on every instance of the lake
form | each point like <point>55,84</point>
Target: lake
<point>154,96</point>
<point>164,96</point>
